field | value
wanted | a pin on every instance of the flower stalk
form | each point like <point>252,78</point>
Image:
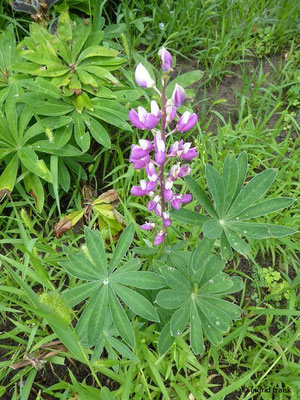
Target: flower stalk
<point>159,183</point>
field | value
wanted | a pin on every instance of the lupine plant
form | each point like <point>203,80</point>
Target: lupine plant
<point>157,154</point>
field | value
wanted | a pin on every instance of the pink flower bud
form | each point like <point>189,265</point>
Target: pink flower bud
<point>166,59</point>
<point>186,198</point>
<point>142,77</point>
<point>167,222</point>
<point>186,122</point>
<point>159,238</point>
<point>178,96</point>
<point>147,226</point>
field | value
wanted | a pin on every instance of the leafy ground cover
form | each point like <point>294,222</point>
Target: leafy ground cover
<point>65,176</point>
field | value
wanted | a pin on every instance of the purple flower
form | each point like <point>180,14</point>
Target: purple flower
<point>151,172</point>
<point>147,226</point>
<point>135,120</point>
<point>145,188</point>
<point>166,219</point>
<point>166,59</point>
<point>142,77</point>
<point>178,96</point>
<point>175,202</point>
<point>159,145</point>
<point>160,157</point>
<point>186,122</point>
<point>188,154</point>
<point>184,171</point>
<point>146,145</point>
<point>137,191</point>
<point>175,148</point>
<point>139,164</point>
<point>137,153</point>
<point>167,222</point>
<point>159,238</point>
<point>168,194</point>
<point>151,205</point>
<point>174,172</point>
<point>144,120</point>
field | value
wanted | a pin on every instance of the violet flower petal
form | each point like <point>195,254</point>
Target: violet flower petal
<point>134,119</point>
<point>178,96</point>
<point>137,191</point>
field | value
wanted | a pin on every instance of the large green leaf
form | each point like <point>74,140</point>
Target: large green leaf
<point>165,340</point>
<point>213,334</point>
<point>236,242</point>
<point>213,267</point>
<point>171,299</point>
<point>266,207</point>
<point>136,302</point>
<point>123,245</point>
<point>232,310</point>
<point>200,196</point>
<point>230,179</point>
<point>212,228</point>
<point>79,293</point>
<point>216,187</point>
<point>30,160</point>
<point>218,284</point>
<point>260,231</point>
<point>252,192</point>
<point>218,318</point>
<point>120,319</point>
<point>97,130</point>
<point>96,317</point>
<point>189,217</point>
<point>141,280</point>
<point>9,175</point>
<point>176,280</point>
<point>226,250</point>
<point>96,249</point>
<point>180,319</point>
<point>201,254</point>
<point>196,337</point>
<point>81,266</point>
<point>242,161</point>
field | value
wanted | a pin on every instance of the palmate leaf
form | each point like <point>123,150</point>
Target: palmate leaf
<point>107,284</point>
<point>233,203</point>
<point>196,298</point>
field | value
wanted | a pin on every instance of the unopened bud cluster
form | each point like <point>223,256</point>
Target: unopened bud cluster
<point>154,154</point>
